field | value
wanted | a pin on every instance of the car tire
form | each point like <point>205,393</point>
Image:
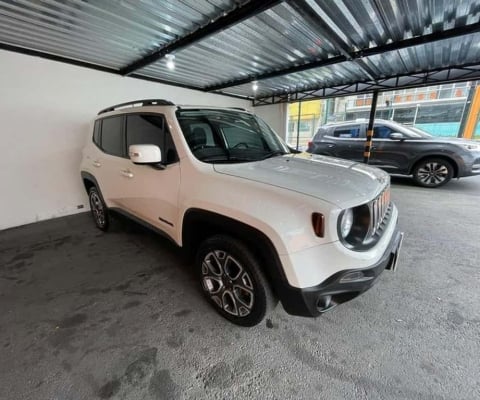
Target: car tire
<point>232,280</point>
<point>99,210</point>
<point>432,172</point>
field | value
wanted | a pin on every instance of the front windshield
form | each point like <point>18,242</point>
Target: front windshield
<point>224,136</point>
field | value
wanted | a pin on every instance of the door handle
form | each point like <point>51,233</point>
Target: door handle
<point>97,164</point>
<point>330,146</point>
<point>127,173</point>
<point>373,148</point>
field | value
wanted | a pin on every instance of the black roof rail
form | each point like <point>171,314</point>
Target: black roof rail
<point>148,102</point>
<point>239,108</point>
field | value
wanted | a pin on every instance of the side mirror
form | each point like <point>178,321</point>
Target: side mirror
<point>145,154</point>
<point>396,136</point>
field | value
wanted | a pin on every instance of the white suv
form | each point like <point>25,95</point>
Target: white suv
<point>263,221</point>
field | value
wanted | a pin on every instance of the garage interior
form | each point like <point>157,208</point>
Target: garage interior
<point>119,315</point>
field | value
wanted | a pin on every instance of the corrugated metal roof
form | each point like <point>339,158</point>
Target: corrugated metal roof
<point>293,46</point>
<point>109,33</point>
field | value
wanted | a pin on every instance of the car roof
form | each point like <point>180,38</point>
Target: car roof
<point>158,106</point>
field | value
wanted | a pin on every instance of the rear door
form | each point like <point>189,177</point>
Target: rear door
<point>109,157</point>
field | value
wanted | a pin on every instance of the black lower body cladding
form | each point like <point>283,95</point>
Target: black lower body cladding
<point>340,287</point>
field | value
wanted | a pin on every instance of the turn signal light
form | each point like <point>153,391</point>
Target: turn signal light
<point>318,223</point>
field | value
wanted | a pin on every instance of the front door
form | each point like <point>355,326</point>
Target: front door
<point>149,192</point>
<point>388,154</point>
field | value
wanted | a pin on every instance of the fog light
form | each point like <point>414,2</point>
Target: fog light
<point>324,302</point>
<point>355,276</point>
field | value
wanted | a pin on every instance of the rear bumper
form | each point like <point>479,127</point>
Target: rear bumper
<point>340,287</point>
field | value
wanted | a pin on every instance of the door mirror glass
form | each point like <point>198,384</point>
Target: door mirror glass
<point>145,154</point>
<point>396,136</point>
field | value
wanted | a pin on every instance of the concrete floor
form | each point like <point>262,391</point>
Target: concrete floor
<point>89,315</point>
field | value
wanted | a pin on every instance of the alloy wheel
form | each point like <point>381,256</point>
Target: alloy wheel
<point>227,283</point>
<point>433,173</point>
<point>98,210</point>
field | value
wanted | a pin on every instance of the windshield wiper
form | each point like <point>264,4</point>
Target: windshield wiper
<point>225,159</point>
<point>214,158</point>
<point>274,153</point>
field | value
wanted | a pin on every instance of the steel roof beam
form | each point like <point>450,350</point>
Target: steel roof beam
<point>54,57</point>
<point>84,64</point>
<point>241,13</point>
<point>459,73</point>
<point>415,41</point>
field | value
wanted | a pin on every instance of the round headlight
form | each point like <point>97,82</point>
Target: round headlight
<point>346,223</point>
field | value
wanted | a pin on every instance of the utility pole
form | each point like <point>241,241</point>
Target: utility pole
<point>368,142</point>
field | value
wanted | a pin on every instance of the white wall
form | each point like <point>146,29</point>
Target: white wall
<point>274,115</point>
<point>45,112</point>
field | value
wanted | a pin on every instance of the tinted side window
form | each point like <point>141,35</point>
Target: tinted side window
<point>112,136</point>
<point>201,128</point>
<point>150,129</point>
<point>382,132</point>
<point>347,132</point>
<point>96,132</point>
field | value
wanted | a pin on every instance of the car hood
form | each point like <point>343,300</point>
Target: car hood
<point>340,182</point>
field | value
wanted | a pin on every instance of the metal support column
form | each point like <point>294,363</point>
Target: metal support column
<point>298,122</point>
<point>466,111</point>
<point>368,142</point>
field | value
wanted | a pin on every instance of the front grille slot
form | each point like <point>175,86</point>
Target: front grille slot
<point>379,208</point>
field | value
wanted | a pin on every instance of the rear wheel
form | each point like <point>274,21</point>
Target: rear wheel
<point>433,172</point>
<point>233,281</point>
<point>99,209</point>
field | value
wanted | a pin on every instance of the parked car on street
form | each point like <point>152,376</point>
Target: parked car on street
<point>400,149</point>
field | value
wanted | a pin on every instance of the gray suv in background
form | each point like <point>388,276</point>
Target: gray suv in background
<point>400,149</point>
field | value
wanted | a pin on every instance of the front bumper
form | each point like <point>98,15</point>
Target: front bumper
<point>340,287</point>
<point>470,165</point>
<point>476,167</point>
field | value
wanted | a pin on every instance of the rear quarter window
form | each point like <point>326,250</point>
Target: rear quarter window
<point>320,133</point>
<point>96,132</point>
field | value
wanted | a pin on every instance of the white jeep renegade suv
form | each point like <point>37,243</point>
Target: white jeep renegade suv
<point>264,221</point>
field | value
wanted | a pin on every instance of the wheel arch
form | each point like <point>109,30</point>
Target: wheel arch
<point>451,160</point>
<point>200,224</point>
<point>90,181</point>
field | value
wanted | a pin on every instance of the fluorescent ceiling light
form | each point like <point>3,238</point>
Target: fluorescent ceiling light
<point>170,61</point>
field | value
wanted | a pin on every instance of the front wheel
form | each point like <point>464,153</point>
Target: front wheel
<point>233,281</point>
<point>99,209</point>
<point>433,172</point>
